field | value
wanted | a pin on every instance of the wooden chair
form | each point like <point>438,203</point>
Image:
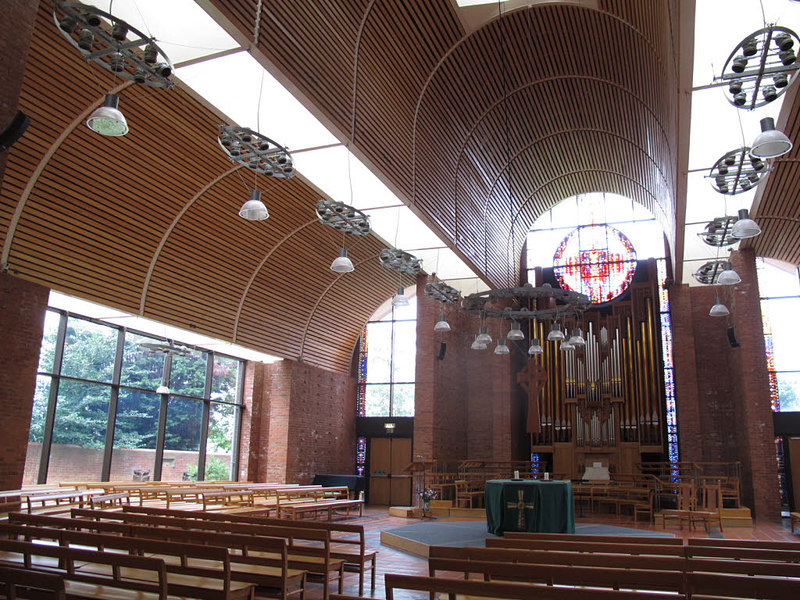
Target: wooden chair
<point>709,510</point>
<point>466,495</point>
<point>686,501</point>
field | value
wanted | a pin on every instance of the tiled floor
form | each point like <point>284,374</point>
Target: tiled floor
<point>376,519</point>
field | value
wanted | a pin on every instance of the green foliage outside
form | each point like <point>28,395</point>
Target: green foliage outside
<point>82,408</point>
<point>216,470</point>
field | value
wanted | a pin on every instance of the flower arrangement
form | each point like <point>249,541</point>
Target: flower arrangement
<point>428,494</point>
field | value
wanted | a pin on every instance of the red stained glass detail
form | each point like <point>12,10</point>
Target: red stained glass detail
<point>596,260</point>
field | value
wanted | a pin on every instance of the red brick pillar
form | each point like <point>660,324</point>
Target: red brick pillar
<point>16,29</point>
<point>22,311</point>
<point>757,436</point>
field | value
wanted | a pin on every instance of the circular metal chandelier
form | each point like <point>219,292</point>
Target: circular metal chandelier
<point>113,44</point>
<point>400,261</point>
<point>255,151</point>
<point>719,232</point>
<point>709,273</point>
<point>564,302</point>
<point>761,67</point>
<point>736,172</point>
<point>342,217</point>
<point>439,290</point>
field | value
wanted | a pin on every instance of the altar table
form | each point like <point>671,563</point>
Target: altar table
<point>529,505</point>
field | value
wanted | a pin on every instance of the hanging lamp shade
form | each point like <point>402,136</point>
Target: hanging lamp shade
<point>502,347</point>
<point>483,336</point>
<point>555,334</point>
<point>400,299</point>
<point>770,142</point>
<point>745,227</point>
<point>515,333</point>
<point>719,309</point>
<point>476,345</point>
<point>108,119</point>
<point>729,277</point>
<point>162,389</point>
<point>536,347</point>
<point>577,338</point>
<point>567,345</point>
<point>254,209</point>
<point>441,324</point>
<point>342,264</point>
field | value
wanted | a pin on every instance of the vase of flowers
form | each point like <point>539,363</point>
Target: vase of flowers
<point>426,495</point>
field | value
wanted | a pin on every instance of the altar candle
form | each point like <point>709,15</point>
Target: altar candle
<point>516,474</point>
<point>547,476</point>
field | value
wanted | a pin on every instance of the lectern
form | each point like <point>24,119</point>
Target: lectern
<point>419,469</point>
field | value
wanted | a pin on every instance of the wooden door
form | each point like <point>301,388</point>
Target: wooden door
<point>388,484</point>
<point>794,474</point>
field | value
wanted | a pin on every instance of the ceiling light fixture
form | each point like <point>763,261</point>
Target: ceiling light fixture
<point>483,336</point>
<point>729,277</point>
<point>555,334</point>
<point>113,44</point>
<point>502,347</point>
<point>719,309</point>
<point>771,142</point>
<point>710,272</point>
<point>342,264</point>
<point>254,209</point>
<point>745,227</point>
<point>441,324</point>
<point>162,389</point>
<point>255,151</point>
<point>772,56</point>
<point>108,119</point>
<point>476,345</point>
<point>577,338</point>
<point>536,347</point>
<point>400,298</point>
<point>515,333</point>
<point>736,172</point>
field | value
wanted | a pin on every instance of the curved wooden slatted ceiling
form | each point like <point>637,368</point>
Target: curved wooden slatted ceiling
<point>549,101</point>
<point>148,223</point>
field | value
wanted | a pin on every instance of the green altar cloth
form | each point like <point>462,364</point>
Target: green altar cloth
<point>531,505</point>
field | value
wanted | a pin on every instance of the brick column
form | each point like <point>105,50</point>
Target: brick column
<point>22,311</point>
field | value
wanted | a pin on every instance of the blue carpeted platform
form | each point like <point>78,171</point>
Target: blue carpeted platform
<point>473,533</point>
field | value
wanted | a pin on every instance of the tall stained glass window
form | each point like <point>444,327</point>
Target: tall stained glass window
<point>596,260</point>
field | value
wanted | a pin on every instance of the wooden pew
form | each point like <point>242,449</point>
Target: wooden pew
<point>605,539</point>
<point>60,501</point>
<point>150,582</point>
<point>327,507</point>
<point>713,585</point>
<point>733,552</point>
<point>453,588</point>
<point>348,541</point>
<point>102,501</point>
<point>565,545</point>
<point>31,584</point>
<point>621,577</point>
<point>196,570</point>
<point>729,543</point>
<point>227,498</point>
<point>183,550</point>
<point>554,557</point>
<point>313,554</point>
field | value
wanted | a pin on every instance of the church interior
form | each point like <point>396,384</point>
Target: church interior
<point>451,259</point>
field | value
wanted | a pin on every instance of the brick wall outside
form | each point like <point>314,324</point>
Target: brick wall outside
<point>722,393</point>
<point>74,463</point>
<point>22,310</point>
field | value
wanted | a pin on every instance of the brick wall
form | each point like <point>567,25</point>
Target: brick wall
<point>466,404</point>
<point>74,463</point>
<point>22,310</point>
<point>722,393</point>
<point>301,422</point>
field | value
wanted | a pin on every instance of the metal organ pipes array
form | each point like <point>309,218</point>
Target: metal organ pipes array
<point>610,392</point>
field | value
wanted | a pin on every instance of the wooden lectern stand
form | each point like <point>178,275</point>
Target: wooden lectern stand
<point>419,469</point>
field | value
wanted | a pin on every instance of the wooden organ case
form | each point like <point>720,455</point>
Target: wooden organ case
<point>605,403</point>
